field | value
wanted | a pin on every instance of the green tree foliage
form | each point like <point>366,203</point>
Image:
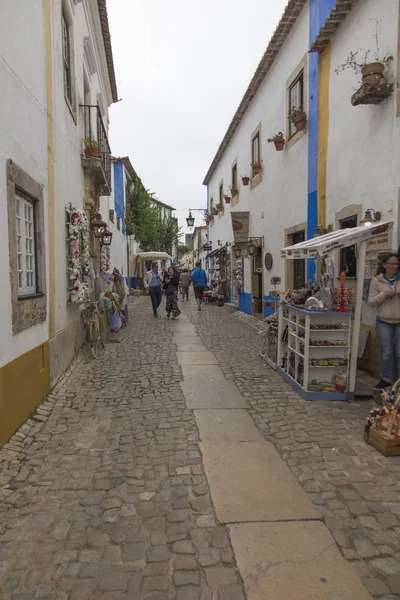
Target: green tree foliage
<point>144,220</point>
<point>182,249</point>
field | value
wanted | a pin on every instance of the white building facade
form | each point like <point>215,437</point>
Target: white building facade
<point>344,162</point>
<point>58,93</point>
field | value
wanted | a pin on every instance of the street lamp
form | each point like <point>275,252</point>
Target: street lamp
<point>98,225</point>
<point>190,220</point>
<point>190,217</point>
<point>370,217</point>
<point>251,248</point>
<point>106,238</point>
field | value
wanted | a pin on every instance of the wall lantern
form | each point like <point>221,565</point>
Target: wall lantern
<point>98,225</point>
<point>190,220</point>
<point>251,248</point>
<point>106,238</point>
<point>370,217</point>
<point>238,252</point>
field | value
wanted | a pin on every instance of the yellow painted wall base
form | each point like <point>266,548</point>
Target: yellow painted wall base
<point>24,383</point>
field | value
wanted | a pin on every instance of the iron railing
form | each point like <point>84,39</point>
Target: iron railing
<point>95,130</point>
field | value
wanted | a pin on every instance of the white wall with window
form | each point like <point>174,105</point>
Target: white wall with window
<point>364,141</point>
<point>277,198</point>
<point>80,75</point>
<point>23,141</point>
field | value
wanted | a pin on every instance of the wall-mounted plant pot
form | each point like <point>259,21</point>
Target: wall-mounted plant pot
<point>372,73</point>
<point>227,199</point>
<point>299,122</point>
<point>279,145</point>
<point>92,152</point>
<point>256,169</point>
<point>215,212</point>
<point>245,180</point>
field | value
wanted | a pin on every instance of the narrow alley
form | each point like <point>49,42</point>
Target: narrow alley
<point>177,465</point>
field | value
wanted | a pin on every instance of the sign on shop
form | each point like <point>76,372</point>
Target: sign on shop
<point>240,226</point>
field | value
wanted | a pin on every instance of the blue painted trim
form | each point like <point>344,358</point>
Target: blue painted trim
<point>319,12</point>
<point>119,193</point>
<point>267,310</point>
<point>310,395</point>
<point>245,303</point>
<point>229,299</point>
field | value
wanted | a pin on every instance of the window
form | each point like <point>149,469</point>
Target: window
<point>348,260</point>
<point>111,215</point>
<point>66,43</point>
<point>255,149</point>
<point>221,193</point>
<point>296,98</point>
<point>26,259</point>
<point>211,205</point>
<point>26,248</point>
<point>119,223</point>
<point>299,266</point>
<point>234,175</point>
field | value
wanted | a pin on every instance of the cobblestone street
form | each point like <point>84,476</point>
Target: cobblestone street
<point>103,492</point>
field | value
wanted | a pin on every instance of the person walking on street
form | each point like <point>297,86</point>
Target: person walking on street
<point>185,281</point>
<point>152,282</point>
<point>171,283</point>
<point>384,295</point>
<point>199,279</point>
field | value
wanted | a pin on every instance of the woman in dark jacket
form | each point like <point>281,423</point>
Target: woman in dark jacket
<point>171,283</point>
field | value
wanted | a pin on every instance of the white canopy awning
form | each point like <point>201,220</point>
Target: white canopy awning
<point>335,240</point>
<point>153,255</point>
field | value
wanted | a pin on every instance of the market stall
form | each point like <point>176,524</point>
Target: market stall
<point>140,263</point>
<point>319,326</point>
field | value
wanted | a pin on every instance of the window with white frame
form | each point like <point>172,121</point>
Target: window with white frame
<point>66,44</point>
<point>296,98</point>
<point>255,149</point>
<point>26,245</point>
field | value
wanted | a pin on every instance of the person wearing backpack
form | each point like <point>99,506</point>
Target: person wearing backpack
<point>199,280</point>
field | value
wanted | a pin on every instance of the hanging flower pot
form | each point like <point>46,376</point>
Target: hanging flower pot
<point>234,191</point>
<point>372,73</point>
<point>227,199</point>
<point>256,168</point>
<point>215,211</point>
<point>278,140</point>
<point>298,118</point>
<point>219,207</point>
<point>92,147</point>
<point>92,152</point>
<point>245,180</point>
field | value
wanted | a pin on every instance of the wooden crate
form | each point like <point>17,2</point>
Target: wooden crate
<point>386,446</point>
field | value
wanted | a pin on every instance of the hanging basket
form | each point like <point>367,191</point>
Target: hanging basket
<point>372,73</point>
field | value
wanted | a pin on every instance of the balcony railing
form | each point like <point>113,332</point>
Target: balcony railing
<point>95,130</point>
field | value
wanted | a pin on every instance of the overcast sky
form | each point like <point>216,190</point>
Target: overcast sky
<point>182,67</point>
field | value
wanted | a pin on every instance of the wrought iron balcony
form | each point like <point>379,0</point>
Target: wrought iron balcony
<point>96,159</point>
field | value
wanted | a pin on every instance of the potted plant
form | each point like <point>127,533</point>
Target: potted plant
<point>371,71</point>
<point>245,179</point>
<point>234,190</point>
<point>92,147</point>
<point>298,117</point>
<point>219,207</point>
<point>227,199</point>
<point>360,62</point>
<point>215,210</point>
<point>278,140</point>
<point>256,166</point>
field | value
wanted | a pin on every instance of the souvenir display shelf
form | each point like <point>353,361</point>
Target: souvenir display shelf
<point>313,347</point>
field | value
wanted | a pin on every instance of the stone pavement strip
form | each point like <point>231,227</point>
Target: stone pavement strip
<point>103,493</point>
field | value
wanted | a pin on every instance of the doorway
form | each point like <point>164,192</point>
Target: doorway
<point>299,266</point>
<point>257,282</point>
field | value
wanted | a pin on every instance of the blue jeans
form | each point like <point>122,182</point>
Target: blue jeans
<point>155,295</point>
<point>388,334</point>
